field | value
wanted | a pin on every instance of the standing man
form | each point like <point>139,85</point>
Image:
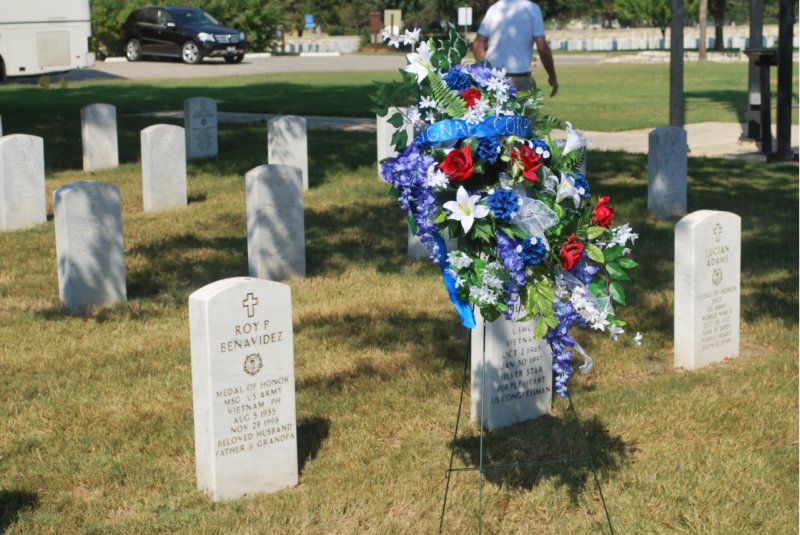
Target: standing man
<point>506,37</point>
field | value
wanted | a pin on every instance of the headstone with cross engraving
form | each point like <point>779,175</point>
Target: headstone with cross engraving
<point>276,241</point>
<point>99,137</point>
<point>22,190</point>
<point>200,124</point>
<point>242,348</point>
<point>707,288</point>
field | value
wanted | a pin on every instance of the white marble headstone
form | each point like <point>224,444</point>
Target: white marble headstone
<point>276,245</point>
<point>666,172</point>
<point>163,167</point>
<point>417,249</point>
<point>22,190</point>
<point>89,250</point>
<point>200,123</point>
<point>287,144</point>
<point>243,387</point>
<point>518,372</point>
<point>1,126</point>
<point>385,131</point>
<point>99,137</point>
<point>707,288</point>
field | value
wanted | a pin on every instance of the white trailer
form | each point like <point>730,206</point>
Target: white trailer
<point>44,36</point>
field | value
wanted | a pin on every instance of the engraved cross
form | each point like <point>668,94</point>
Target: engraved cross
<point>250,304</point>
<point>717,232</point>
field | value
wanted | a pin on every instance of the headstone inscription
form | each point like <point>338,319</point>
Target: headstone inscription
<point>287,144</point>
<point>200,124</point>
<point>99,137</point>
<point>707,288</point>
<point>91,259</point>
<point>242,348</point>
<point>512,369</point>
<point>22,190</point>
<point>276,245</point>
<point>163,167</point>
<point>666,172</point>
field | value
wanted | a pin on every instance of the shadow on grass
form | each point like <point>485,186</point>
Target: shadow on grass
<point>732,100</point>
<point>12,503</point>
<point>311,433</point>
<point>548,447</point>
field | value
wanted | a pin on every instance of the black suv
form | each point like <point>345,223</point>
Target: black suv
<point>188,33</point>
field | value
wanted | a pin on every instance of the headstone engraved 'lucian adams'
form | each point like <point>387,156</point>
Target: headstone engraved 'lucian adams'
<point>22,190</point>
<point>200,124</point>
<point>242,347</point>
<point>707,288</point>
<point>518,372</point>
<point>99,137</point>
<point>89,248</point>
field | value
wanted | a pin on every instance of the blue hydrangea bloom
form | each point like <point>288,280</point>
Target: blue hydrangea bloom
<point>542,149</point>
<point>488,149</point>
<point>457,80</point>
<point>533,251</point>
<point>503,203</point>
<point>581,182</point>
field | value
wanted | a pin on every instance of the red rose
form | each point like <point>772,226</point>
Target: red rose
<point>603,214</point>
<point>530,162</point>
<point>571,252</point>
<point>458,164</point>
<point>471,96</point>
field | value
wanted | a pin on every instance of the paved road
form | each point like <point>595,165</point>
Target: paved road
<point>257,64</point>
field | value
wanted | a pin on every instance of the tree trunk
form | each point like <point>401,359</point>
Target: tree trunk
<point>703,20</point>
<point>719,24</point>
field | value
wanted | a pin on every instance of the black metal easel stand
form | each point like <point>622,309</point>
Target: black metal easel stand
<point>482,469</point>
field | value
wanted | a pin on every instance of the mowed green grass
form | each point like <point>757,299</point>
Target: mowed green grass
<point>97,433</point>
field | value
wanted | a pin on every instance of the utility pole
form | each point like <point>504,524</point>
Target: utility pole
<point>677,113</point>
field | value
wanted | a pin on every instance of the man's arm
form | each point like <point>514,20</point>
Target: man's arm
<point>480,46</point>
<point>546,56</point>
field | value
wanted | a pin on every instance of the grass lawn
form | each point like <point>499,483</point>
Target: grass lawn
<point>97,433</point>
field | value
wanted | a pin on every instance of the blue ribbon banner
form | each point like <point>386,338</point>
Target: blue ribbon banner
<point>462,307</point>
<point>492,126</point>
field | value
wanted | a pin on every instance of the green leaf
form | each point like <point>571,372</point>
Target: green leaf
<point>396,120</point>
<point>540,330</point>
<point>598,288</point>
<point>595,232</point>
<point>628,263</point>
<point>594,252</point>
<point>400,140</point>
<point>440,217</point>
<point>617,272</point>
<point>617,293</point>
<point>412,225</point>
<point>612,253</point>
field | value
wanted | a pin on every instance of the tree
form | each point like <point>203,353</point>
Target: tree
<point>655,12</point>
<point>703,21</point>
<point>717,10</point>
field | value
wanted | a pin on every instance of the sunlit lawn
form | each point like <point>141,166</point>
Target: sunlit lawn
<point>96,433</point>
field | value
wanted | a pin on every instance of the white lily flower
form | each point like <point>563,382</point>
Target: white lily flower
<point>466,209</point>
<point>411,37</point>
<point>575,139</point>
<point>567,190</point>
<point>386,33</point>
<point>419,62</point>
<point>615,331</point>
<point>394,40</point>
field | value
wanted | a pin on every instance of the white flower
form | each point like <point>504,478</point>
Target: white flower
<point>427,102</point>
<point>575,139</point>
<point>411,37</point>
<point>419,62</point>
<point>430,117</point>
<point>466,209</point>
<point>567,190</point>
<point>615,331</point>
<point>459,259</point>
<point>637,339</point>
<point>386,33</point>
<point>413,116</point>
<point>394,40</point>
<point>436,178</point>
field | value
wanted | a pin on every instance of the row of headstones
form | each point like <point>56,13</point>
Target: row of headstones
<point>163,153</point>
<point>651,43</point>
<point>243,359</point>
<point>89,238</point>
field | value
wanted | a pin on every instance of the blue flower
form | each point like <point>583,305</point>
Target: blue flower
<point>582,185</point>
<point>481,74</point>
<point>503,203</point>
<point>533,251</point>
<point>542,149</point>
<point>456,79</point>
<point>488,149</point>
<point>584,271</point>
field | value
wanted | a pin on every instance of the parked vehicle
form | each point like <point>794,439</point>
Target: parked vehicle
<point>188,33</point>
<point>43,37</point>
